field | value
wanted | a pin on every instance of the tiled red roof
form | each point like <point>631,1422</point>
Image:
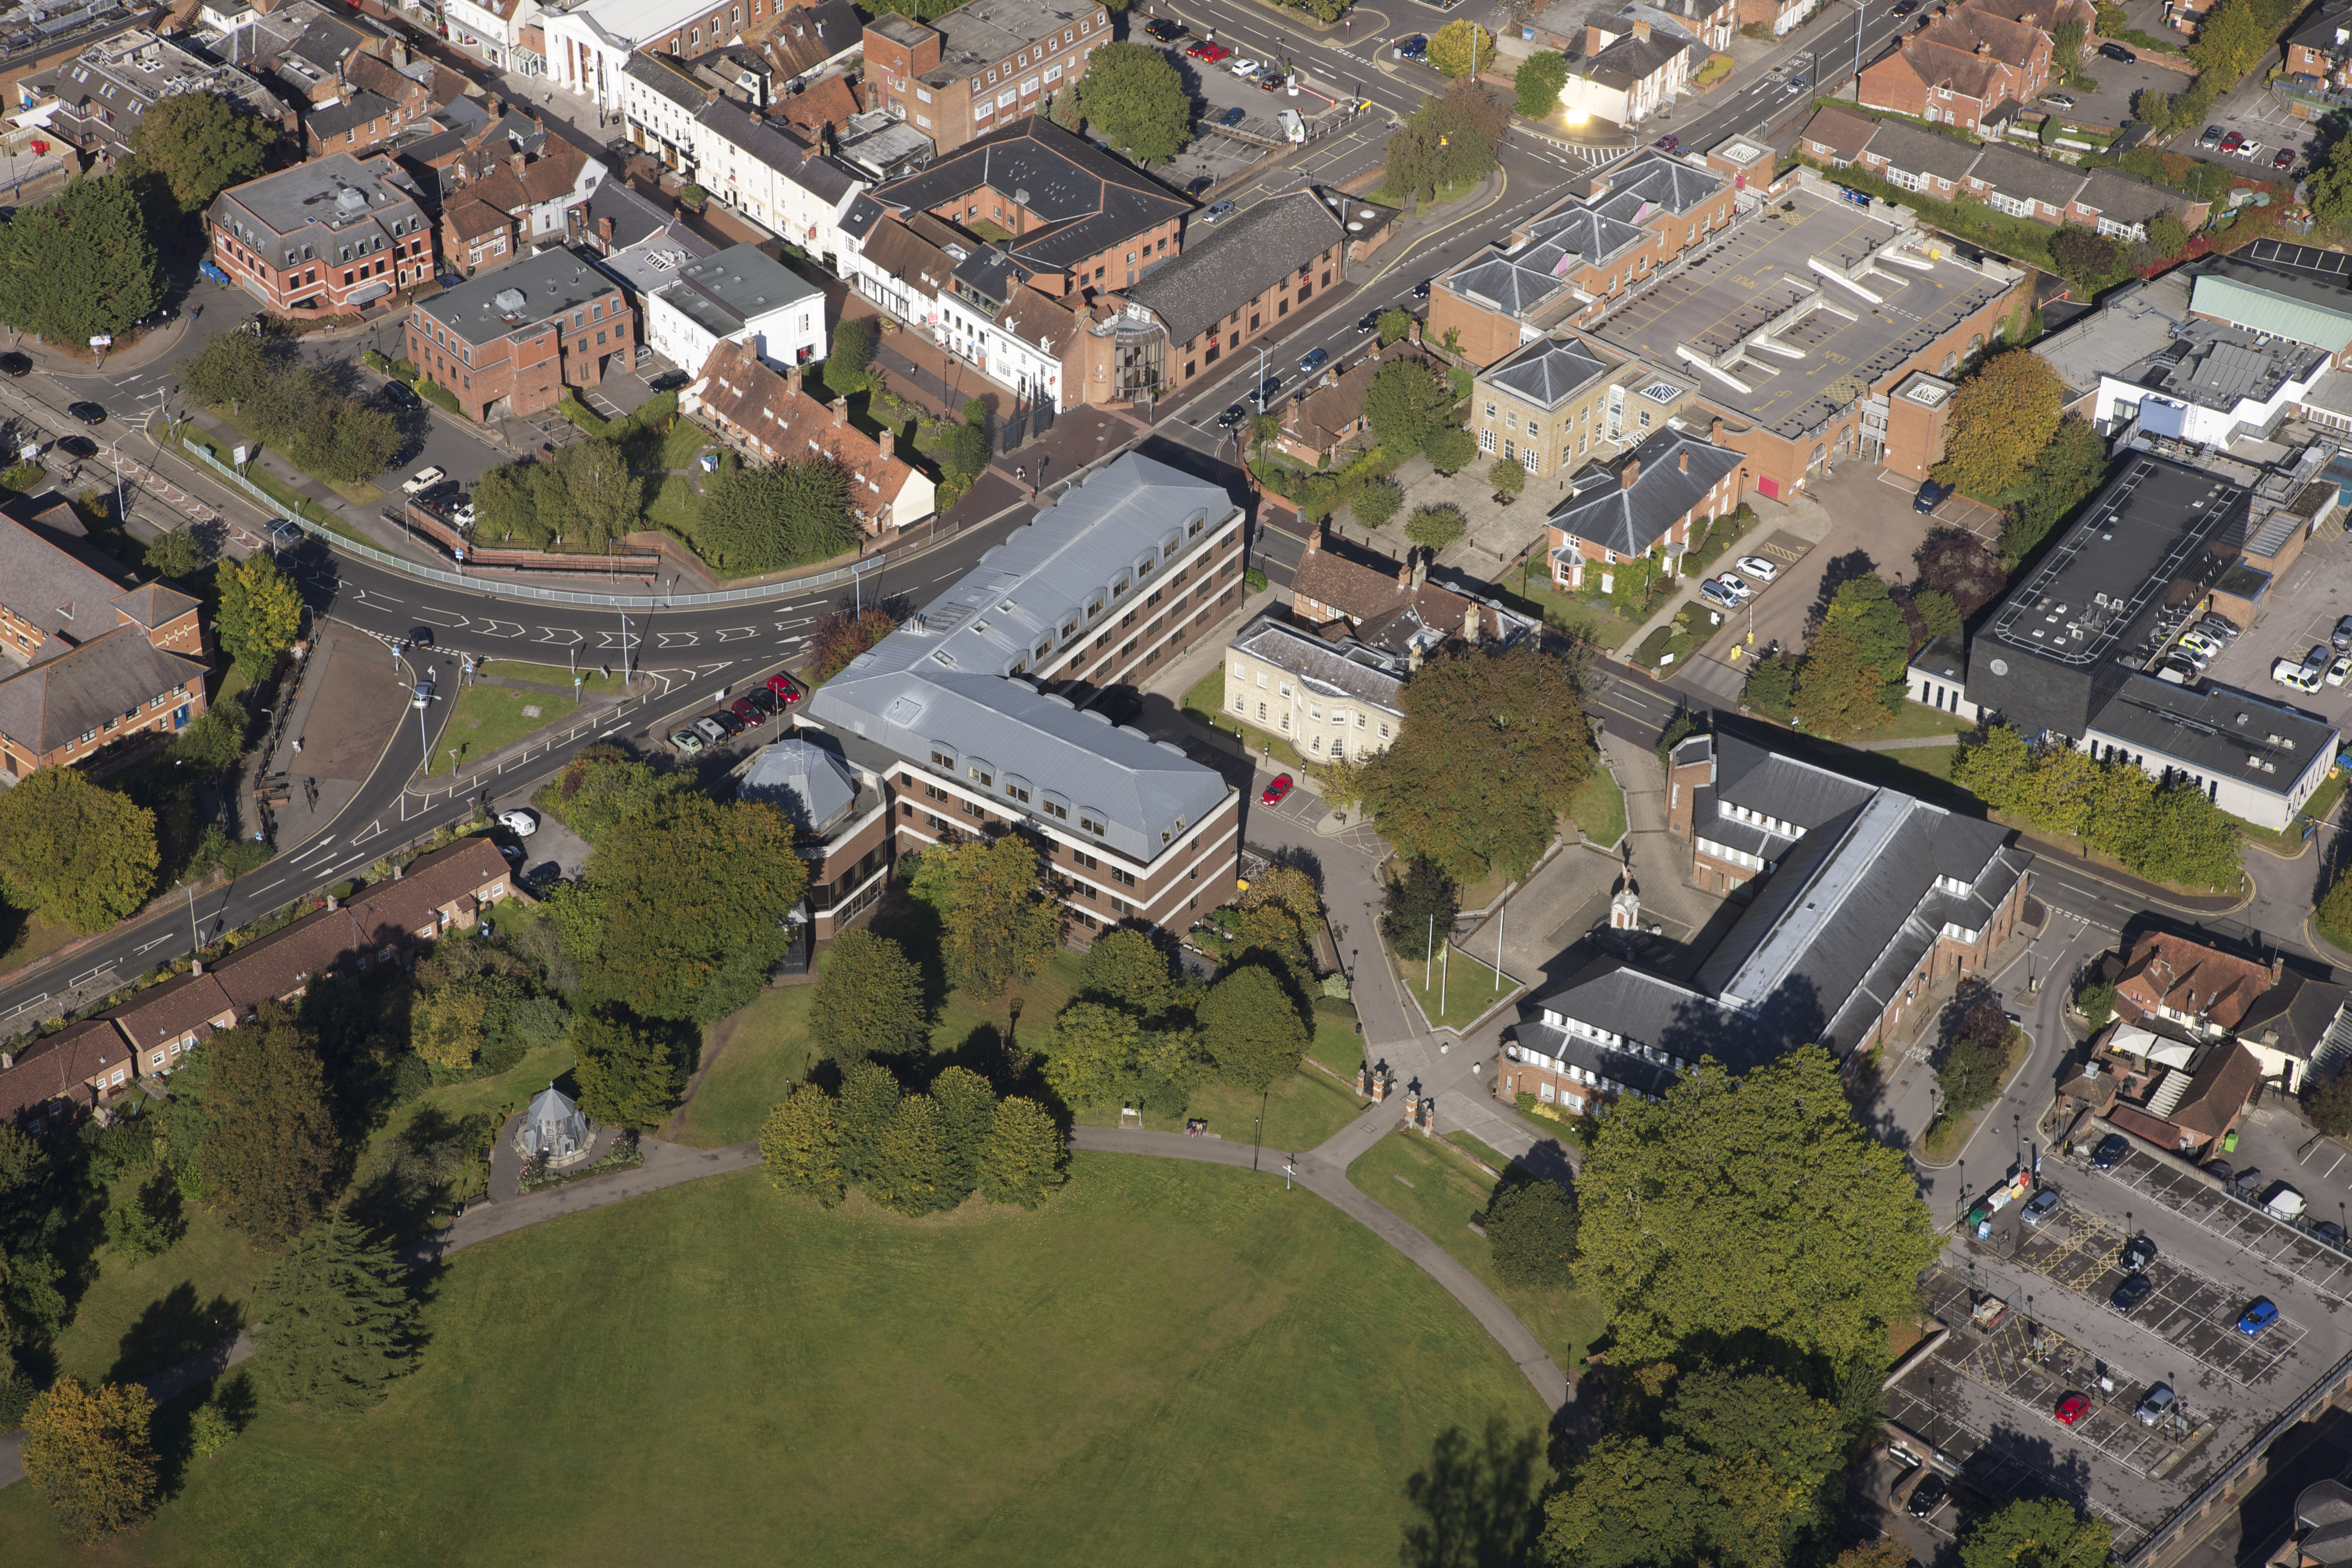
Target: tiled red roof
<point>47,1069</point>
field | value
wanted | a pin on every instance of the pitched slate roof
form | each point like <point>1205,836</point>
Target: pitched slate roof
<point>1336,670</point>
<point>799,41</point>
<point>353,112</point>
<point>1547,370</point>
<point>1631,59</point>
<point>2016,174</point>
<point>56,591</point>
<point>1090,201</point>
<point>1671,473</point>
<point>2294,1016</point>
<point>1250,252</point>
<point>1914,150</point>
<point>665,75</point>
<point>172,1009</point>
<point>55,1067</point>
<point>153,605</point>
<point>81,689</point>
<point>1841,130</point>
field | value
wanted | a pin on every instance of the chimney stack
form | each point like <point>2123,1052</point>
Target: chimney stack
<point>1715,431</point>
<point>840,412</point>
<point>1641,31</point>
<point>396,873</point>
<point>1404,571</point>
<point>1685,459</point>
<point>521,160</point>
<point>2278,968</point>
<point>1595,40</point>
<point>887,442</point>
<point>1470,625</point>
<point>1629,473</point>
<point>793,381</point>
<point>604,234</point>
<point>7,1060</point>
<point>1413,331</point>
<point>1420,567</point>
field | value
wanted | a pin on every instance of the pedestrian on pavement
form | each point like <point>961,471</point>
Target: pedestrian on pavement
<point>297,743</point>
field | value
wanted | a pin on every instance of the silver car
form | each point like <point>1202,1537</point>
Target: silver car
<point>2158,1405</point>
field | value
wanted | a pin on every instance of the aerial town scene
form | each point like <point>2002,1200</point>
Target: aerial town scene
<point>744,744</point>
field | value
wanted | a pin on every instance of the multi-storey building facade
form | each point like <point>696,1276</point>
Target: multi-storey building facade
<point>1330,698</point>
<point>982,64</point>
<point>1561,402</point>
<point>970,709</point>
<point>323,237</point>
<point>102,93</point>
<point>514,340</point>
<point>1647,503</point>
<point>741,295</point>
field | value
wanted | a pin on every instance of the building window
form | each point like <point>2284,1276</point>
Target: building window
<point>1485,441</point>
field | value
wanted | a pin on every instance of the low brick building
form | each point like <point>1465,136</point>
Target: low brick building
<point>973,68</point>
<point>513,340</point>
<point>1647,503</point>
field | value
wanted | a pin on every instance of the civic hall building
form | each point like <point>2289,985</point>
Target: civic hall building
<point>972,712</point>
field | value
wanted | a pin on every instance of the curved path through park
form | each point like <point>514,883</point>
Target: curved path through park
<point>1322,1170</point>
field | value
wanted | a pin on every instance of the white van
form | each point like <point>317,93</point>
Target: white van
<point>1294,129</point>
<point>2284,1203</point>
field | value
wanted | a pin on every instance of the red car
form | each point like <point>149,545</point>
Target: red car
<point>1274,792</point>
<point>2233,141</point>
<point>748,711</point>
<point>2285,159</point>
<point>2072,1409</point>
<point>1210,53</point>
<point>785,686</point>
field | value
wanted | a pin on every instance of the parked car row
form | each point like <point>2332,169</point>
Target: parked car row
<point>1732,589</point>
<point>754,708</point>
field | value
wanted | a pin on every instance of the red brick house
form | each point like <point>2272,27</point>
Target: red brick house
<point>514,339</point>
<point>1974,64</point>
<point>323,237</point>
<point>81,1065</point>
<point>975,69</point>
<point>2201,990</point>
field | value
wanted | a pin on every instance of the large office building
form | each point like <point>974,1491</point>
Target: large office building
<point>980,66</point>
<point>323,237</point>
<point>972,712</point>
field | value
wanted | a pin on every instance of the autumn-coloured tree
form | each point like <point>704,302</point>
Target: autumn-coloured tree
<point>2001,418</point>
<point>89,1452</point>
<point>800,1145</point>
<point>269,1149</point>
<point>995,925</point>
<point>1028,1155</point>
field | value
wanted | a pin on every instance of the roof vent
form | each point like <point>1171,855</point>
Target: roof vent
<point>509,301</point>
<point>1020,197</point>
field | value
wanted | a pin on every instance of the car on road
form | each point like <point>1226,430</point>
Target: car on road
<point>1370,323</point>
<point>2118,53</point>
<point>77,446</point>
<point>1272,794</point>
<point>2136,1289</point>
<point>2110,1151</point>
<point>1216,210</point>
<point>1312,361</point>
<point>1267,389</point>
<point>2058,99</point>
<point>1209,53</point>
<point>1412,47</point>
<point>1798,84</point>
<point>1421,290</point>
<point>1233,116</point>
<point>87,413</point>
<point>422,479</point>
<point>420,636</point>
<point>420,694</point>
<point>520,823</point>
<point>1733,585</point>
<point>2071,1409</point>
<point>1931,496</point>
<point>785,686</point>
<point>726,721</point>
<point>16,364</point>
<point>687,740</point>
<point>1669,143</point>
<point>2041,1205</point>
<point>396,395</point>
<point>1163,29</point>
<point>2138,1252</point>
<point>711,731</point>
<point>748,711</point>
<point>1756,566</point>
<point>2260,1314</point>
<point>2212,137</point>
<point>1246,68</point>
<point>1905,7</point>
<point>1232,416</point>
<point>2156,1405</point>
<point>1927,1495</point>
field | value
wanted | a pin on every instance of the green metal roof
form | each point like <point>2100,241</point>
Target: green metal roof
<point>2307,311</point>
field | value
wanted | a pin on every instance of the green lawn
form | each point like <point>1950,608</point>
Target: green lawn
<point>1571,612</point>
<point>1298,1113</point>
<point>1598,808</point>
<point>963,1017</point>
<point>1169,1364</point>
<point>548,674</point>
<point>488,717</point>
<point>1445,1193</point>
<point>1935,761</point>
<point>768,1049</point>
<point>1917,722</point>
<point>1204,705</point>
<point>1478,1149</point>
<point>1336,1044</point>
<point>1467,995</point>
<point>140,1316</point>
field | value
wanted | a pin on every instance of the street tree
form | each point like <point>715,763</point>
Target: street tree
<point>1395,325</point>
<point>506,505</point>
<point>1028,1155</point>
<point>79,265</point>
<point>1132,98</point>
<point>1435,526</point>
<point>2002,416</point>
<point>1131,970</point>
<point>1833,1229</point>
<point>201,143</point>
<point>996,928</point>
<point>629,1077</point>
<point>1462,46</point>
<point>1541,77</point>
<point>2040,1533</point>
<point>90,1453</point>
<point>78,853</point>
<point>344,441</point>
<point>1450,450</point>
<point>338,1320</point>
<point>260,614</point>
<point>1508,476</point>
<point>1251,1029</point>
<point>1376,501</point>
<point>1446,144</point>
<point>914,1164</point>
<point>967,1108</point>
<point>800,1145</point>
<point>604,498</point>
<point>1531,1234</point>
<point>1854,669</point>
<point>270,1152</point>
<point>1492,748</point>
<point>692,895</point>
<point>174,554</point>
<point>869,999</point>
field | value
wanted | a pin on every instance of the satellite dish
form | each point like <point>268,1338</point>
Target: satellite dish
<point>1999,667</point>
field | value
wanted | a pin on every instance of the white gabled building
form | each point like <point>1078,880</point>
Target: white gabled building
<point>741,295</point>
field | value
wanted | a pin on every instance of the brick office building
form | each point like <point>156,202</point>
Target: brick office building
<point>323,237</point>
<point>970,710</point>
<point>982,65</point>
<point>516,337</point>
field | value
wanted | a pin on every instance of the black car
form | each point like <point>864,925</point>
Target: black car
<point>2138,1252</point>
<point>543,875</point>
<point>2118,53</point>
<point>16,364</point>
<point>726,721</point>
<point>1233,116</point>
<point>2110,1151</point>
<point>2219,1171</point>
<point>2131,1292</point>
<point>1268,388</point>
<point>87,413</point>
<point>420,636</point>
<point>1931,496</point>
<point>395,395</point>
<point>1421,290</point>
<point>1370,323</point>
<point>1232,416</point>
<point>1163,29</point>
<point>669,381</point>
<point>1927,1495</point>
<point>77,446</point>
<point>765,701</point>
<point>1200,182</point>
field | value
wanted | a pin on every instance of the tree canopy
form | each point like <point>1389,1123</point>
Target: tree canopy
<point>2001,418</point>
<point>764,519</point>
<point>1129,969</point>
<point>1531,1232</point>
<point>995,927</point>
<point>1100,1053</point>
<point>2040,1533</point>
<point>1406,402</point>
<point>1492,747</point>
<point>1133,99</point>
<point>260,613</point>
<point>1854,672</point>
<point>1541,77</point>
<point>89,1452</point>
<point>1831,1230</point>
<point>270,1152</point>
<point>2173,832</point>
<point>290,403</point>
<point>81,853</point>
<point>800,1144</point>
<point>1251,1026</point>
<point>869,999</point>
<point>336,1319</point>
<point>629,1076</point>
<point>1449,141</point>
<point>1460,47</point>
<point>1028,1157</point>
<point>201,143</point>
<point>601,786</point>
<point>80,265</point>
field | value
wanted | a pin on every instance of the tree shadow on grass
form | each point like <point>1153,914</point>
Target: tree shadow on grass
<point>172,1432</point>
<point>173,1329</point>
<point>1475,1500</point>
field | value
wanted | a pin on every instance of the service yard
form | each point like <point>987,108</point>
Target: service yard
<point>1988,1402</point>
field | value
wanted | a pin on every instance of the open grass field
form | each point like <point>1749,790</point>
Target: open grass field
<point>550,675</point>
<point>1443,1194</point>
<point>488,717</point>
<point>1298,1113</point>
<point>1168,1364</point>
<point>766,1049</point>
<point>1466,990</point>
<point>1598,809</point>
<point>140,1316</point>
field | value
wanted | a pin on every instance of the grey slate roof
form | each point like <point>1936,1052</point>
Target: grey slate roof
<point>806,782</point>
<point>81,689</point>
<point>634,219</point>
<point>58,592</point>
<point>1912,149</point>
<point>550,283</point>
<point>722,292</point>
<point>1658,181</point>
<point>351,113</point>
<point>552,1125</point>
<point>943,684</point>
<point>2218,732</point>
<point>1361,673</point>
<point>1547,371</point>
<point>779,149</point>
<point>669,77</point>
<point>2015,173</point>
<point>326,203</point>
<point>1678,469</point>
<point>1238,259</point>
<point>2294,1016</point>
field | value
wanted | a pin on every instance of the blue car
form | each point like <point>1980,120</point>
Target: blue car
<point>2110,1151</point>
<point>1931,496</point>
<point>1313,360</point>
<point>2260,1315</point>
<point>1231,117</point>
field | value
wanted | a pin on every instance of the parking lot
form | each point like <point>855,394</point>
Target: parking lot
<point>2302,610</point>
<point>2273,1242</point>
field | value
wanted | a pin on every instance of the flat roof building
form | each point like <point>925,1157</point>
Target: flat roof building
<point>741,295</point>
<point>323,237</point>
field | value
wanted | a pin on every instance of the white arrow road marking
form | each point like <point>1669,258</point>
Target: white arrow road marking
<point>433,613</point>
<point>795,637</point>
<point>803,621</point>
<point>676,639</point>
<point>367,598</point>
<point>369,831</point>
<point>614,639</point>
<point>730,634</point>
<point>561,637</point>
<point>157,942</point>
<point>490,628</point>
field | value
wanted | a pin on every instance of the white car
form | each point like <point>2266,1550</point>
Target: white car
<point>1246,68</point>
<point>1734,587</point>
<point>1756,566</point>
<point>2251,148</point>
<point>2339,669</point>
<point>422,479</point>
<point>2208,646</point>
<point>522,824</point>
<point>2294,675</point>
